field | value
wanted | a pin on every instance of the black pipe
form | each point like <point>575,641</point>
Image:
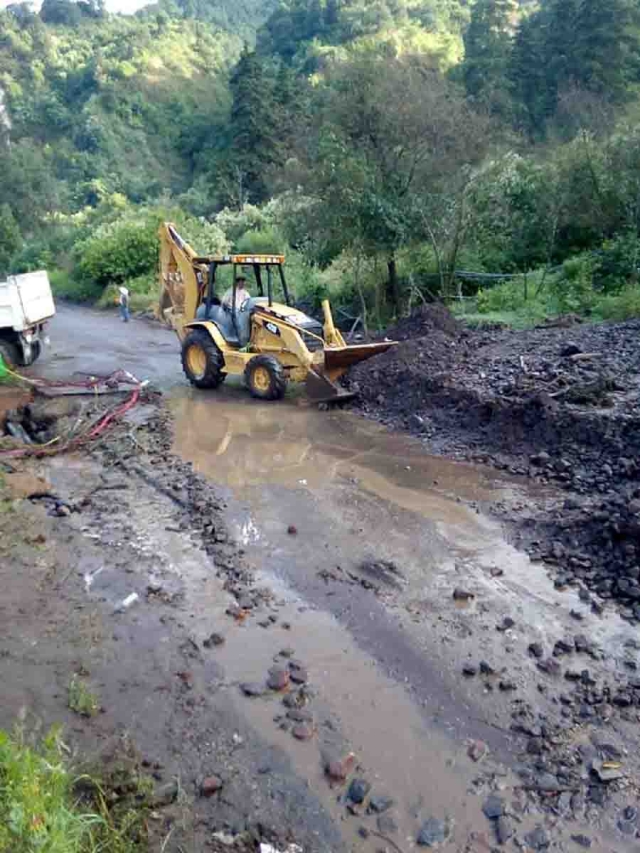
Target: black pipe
<point>210,288</point>
<point>284,285</point>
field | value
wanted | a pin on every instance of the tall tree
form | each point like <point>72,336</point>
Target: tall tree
<point>533,104</point>
<point>255,136</point>
<point>10,238</point>
<point>606,43</point>
<point>570,45</point>
<point>487,44</point>
<point>388,156</point>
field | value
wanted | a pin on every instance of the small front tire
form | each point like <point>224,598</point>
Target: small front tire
<point>265,378</point>
<point>202,361</point>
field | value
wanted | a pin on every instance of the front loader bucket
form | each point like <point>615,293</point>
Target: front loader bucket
<point>339,360</point>
<point>321,389</point>
<point>321,383</point>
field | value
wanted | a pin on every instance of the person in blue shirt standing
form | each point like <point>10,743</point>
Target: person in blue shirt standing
<point>124,304</point>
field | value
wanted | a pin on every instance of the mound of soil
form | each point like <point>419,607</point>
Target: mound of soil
<point>556,403</point>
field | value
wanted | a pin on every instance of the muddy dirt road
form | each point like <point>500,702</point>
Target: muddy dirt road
<point>403,627</point>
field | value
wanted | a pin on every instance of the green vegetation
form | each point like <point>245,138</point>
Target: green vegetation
<point>45,806</point>
<point>382,144</point>
<point>81,700</point>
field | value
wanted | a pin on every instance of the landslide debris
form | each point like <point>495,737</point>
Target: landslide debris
<point>559,403</point>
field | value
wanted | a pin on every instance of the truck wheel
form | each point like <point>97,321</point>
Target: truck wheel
<point>36,351</point>
<point>10,354</point>
<point>265,378</point>
<point>202,361</point>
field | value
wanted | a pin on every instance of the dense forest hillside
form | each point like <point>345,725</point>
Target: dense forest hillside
<point>384,144</point>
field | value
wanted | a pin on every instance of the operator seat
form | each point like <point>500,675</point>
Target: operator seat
<point>223,318</point>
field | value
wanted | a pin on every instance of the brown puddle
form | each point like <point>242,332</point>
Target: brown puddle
<point>243,443</point>
<point>350,488</point>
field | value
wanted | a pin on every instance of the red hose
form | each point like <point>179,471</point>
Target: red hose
<point>96,430</point>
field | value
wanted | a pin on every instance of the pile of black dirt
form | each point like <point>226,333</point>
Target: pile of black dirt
<point>559,404</point>
<point>426,319</point>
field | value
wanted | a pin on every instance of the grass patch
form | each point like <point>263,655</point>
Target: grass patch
<point>44,806</point>
<point>571,291</point>
<point>81,700</point>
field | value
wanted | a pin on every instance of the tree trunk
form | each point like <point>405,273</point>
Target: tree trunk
<point>392,284</point>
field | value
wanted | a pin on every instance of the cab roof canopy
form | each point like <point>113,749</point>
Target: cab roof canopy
<point>262,260</point>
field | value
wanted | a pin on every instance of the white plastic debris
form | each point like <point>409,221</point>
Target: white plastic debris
<point>126,603</point>
<point>269,848</point>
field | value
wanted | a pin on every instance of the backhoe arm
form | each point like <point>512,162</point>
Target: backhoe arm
<point>181,279</point>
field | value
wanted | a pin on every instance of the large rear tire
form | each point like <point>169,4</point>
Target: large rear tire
<point>202,361</point>
<point>265,378</point>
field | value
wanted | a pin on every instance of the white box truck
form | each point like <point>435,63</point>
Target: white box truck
<point>26,303</point>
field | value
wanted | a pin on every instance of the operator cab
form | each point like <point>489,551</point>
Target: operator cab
<point>233,317</point>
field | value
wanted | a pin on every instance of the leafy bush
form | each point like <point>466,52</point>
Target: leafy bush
<point>265,241</point>
<point>573,289</point>
<point>507,296</point>
<point>33,256</point>
<point>66,287</point>
<point>617,263</point>
<point>624,305</point>
<point>117,252</point>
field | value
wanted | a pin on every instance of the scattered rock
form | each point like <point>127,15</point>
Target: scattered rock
<point>569,349</point>
<point>299,715</point>
<point>478,750</point>
<point>380,804</point>
<point>298,674</point>
<point>252,689</point>
<point>338,769</point>
<point>214,640</point>
<point>486,668</point>
<point>536,650</point>
<point>386,824</point>
<point>504,830</point>
<point>286,653</point>
<point>507,685</point>
<point>165,795</point>
<point>279,678</point>
<point>432,833</point>
<point>210,785</point>
<point>303,731</point>
<point>506,625</point>
<point>493,807</point>
<point>469,670</point>
<point>462,594</point>
<point>537,839</point>
<point>550,666</point>
<point>582,841</point>
<point>581,644</point>
<point>292,530</point>
<point>358,790</point>
<point>606,771</point>
<point>563,647</point>
<point>548,783</point>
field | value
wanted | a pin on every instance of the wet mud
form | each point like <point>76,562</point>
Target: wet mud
<point>289,534</point>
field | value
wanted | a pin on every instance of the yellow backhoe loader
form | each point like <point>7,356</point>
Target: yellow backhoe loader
<point>269,343</point>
